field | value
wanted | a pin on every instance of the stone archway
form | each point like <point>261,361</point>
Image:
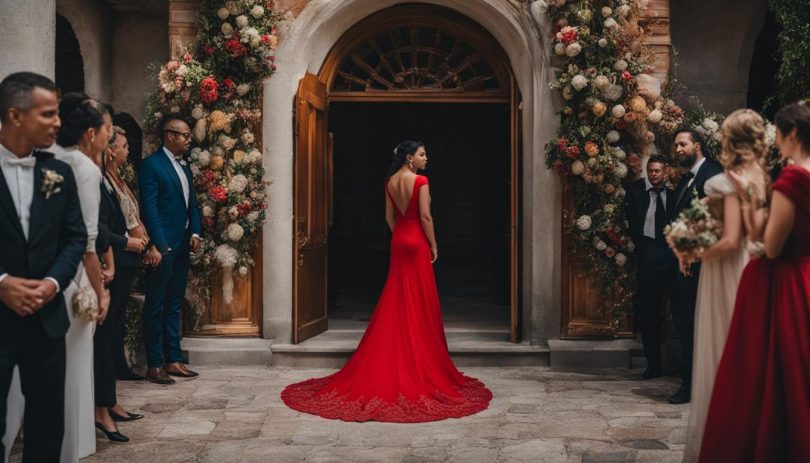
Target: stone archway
<point>303,49</point>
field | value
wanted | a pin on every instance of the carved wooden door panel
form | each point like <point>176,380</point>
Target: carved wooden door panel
<point>311,210</point>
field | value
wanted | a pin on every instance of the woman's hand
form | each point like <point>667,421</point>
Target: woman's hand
<point>135,244</point>
<point>153,257</point>
<point>434,254</point>
<point>683,263</point>
<point>741,184</point>
<point>103,305</point>
<point>107,275</point>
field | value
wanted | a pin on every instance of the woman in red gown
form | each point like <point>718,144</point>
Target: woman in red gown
<point>760,408</point>
<point>401,371</point>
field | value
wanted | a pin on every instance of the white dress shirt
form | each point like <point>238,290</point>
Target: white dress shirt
<point>180,173</point>
<point>649,220</point>
<point>19,174</point>
<point>694,170</point>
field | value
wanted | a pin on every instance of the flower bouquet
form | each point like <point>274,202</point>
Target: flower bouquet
<point>693,231</point>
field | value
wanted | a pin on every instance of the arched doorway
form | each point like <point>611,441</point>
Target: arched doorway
<point>69,61</point>
<point>409,71</point>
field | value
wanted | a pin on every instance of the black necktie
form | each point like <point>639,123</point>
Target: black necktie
<point>660,213</point>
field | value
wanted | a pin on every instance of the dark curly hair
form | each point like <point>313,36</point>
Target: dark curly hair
<point>795,116</point>
<point>401,153</point>
<point>78,113</point>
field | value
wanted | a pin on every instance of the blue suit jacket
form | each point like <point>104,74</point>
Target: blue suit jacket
<point>163,208</point>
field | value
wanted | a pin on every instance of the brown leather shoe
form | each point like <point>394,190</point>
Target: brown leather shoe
<point>158,376</point>
<point>179,370</point>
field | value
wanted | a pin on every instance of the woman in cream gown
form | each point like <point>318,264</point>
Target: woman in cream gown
<point>743,145</point>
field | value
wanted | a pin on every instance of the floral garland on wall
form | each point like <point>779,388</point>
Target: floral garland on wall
<point>216,86</point>
<point>614,115</point>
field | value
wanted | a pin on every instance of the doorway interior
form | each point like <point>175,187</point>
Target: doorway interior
<point>468,146</point>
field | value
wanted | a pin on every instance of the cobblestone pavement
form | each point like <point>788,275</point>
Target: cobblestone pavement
<point>236,415</point>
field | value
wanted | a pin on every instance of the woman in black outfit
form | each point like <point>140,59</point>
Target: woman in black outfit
<point>126,257</point>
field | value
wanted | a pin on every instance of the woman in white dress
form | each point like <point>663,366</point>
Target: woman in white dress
<point>743,146</point>
<point>82,138</point>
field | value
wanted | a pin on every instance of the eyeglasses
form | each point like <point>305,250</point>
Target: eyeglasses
<point>184,135</point>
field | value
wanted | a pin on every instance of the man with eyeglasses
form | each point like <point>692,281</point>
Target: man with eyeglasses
<point>172,219</point>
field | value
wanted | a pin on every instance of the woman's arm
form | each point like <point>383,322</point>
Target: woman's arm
<point>731,241</point>
<point>780,224</point>
<point>427,220</point>
<point>389,213</point>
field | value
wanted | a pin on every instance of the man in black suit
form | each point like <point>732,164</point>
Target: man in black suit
<point>646,202</point>
<point>689,154</point>
<point>42,240</point>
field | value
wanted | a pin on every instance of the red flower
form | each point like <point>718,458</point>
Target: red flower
<point>218,193</point>
<point>209,50</point>
<point>229,84</point>
<point>627,76</point>
<point>265,38</point>
<point>208,223</point>
<point>573,152</point>
<point>568,36</point>
<point>208,90</point>
<point>187,58</point>
<point>562,143</point>
<point>235,48</point>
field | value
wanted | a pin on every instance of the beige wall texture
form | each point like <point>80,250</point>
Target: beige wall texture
<point>29,32</point>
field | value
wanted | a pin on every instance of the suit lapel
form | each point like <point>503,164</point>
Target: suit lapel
<point>167,164</point>
<point>8,205</point>
<point>37,203</point>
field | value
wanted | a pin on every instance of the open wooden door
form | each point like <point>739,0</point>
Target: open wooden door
<point>514,214</point>
<point>311,209</point>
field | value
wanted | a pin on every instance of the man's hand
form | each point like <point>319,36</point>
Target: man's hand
<point>195,243</point>
<point>47,289</point>
<point>135,244</point>
<point>153,257</point>
<point>23,296</point>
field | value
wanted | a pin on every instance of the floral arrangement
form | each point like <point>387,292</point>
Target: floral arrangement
<point>693,231</point>
<point>216,87</point>
<point>613,114</point>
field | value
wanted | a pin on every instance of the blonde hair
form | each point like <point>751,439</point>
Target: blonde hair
<point>116,131</point>
<point>742,139</point>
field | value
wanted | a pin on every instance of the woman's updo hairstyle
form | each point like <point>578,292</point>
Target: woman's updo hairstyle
<point>795,116</point>
<point>78,113</point>
<point>742,139</point>
<point>401,153</point>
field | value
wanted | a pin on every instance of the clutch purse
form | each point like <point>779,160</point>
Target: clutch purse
<point>84,302</point>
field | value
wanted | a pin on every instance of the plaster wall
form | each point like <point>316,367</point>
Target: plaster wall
<point>714,44</point>
<point>92,21</point>
<point>29,34</point>
<point>306,41</point>
<point>130,64</point>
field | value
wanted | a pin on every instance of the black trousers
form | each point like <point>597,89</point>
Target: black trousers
<point>684,299</point>
<point>104,340</point>
<point>655,266</point>
<point>41,360</point>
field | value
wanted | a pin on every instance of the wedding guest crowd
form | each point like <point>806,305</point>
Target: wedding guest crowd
<point>72,239</point>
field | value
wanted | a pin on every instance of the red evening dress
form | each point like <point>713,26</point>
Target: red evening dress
<point>760,408</point>
<point>401,371</point>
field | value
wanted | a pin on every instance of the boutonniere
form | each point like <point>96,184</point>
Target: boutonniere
<point>50,182</point>
<point>183,163</point>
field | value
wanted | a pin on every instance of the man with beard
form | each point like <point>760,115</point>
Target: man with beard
<point>689,154</point>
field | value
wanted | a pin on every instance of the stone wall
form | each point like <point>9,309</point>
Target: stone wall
<point>90,20</point>
<point>29,32</point>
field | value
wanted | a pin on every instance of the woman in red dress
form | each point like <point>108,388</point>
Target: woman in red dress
<point>760,408</point>
<point>401,371</point>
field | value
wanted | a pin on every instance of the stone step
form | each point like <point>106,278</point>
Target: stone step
<point>576,354</point>
<point>217,351</point>
<point>467,348</point>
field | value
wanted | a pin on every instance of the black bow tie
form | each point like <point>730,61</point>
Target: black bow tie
<point>656,190</point>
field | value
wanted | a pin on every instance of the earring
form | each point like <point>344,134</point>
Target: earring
<point>410,164</point>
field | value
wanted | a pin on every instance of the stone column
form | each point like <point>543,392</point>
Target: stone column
<point>29,37</point>
<point>182,25</point>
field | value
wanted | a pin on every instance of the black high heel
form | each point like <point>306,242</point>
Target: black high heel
<point>113,436</point>
<point>129,416</point>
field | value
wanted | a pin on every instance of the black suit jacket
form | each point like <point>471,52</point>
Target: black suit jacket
<point>684,195</point>
<point>56,241</point>
<point>637,201</point>
<point>112,229</point>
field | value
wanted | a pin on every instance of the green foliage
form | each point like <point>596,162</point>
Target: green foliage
<point>793,78</point>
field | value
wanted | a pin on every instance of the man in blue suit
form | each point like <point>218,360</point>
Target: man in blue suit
<point>172,219</point>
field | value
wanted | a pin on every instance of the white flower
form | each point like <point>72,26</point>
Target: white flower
<point>770,134</point>
<point>620,192</point>
<point>559,48</point>
<point>241,89</point>
<point>254,157</point>
<point>255,42</point>
<point>606,11</point>
<point>621,259</point>
<point>182,70</point>
<point>610,208</point>
<point>710,124</point>
<point>257,12</point>
<point>584,222</point>
<point>223,13</point>
<point>620,170</point>
<point>577,167</point>
<point>585,15</point>
<point>655,116</point>
<point>610,23</point>
<point>623,10</point>
<point>612,136</point>
<point>227,29</point>
<point>233,213</point>
<point>233,8</point>
<point>195,171</point>
<point>235,232</point>
<point>631,246</point>
<point>238,183</point>
<point>204,158</point>
<point>226,255</point>
<point>243,270</point>
<point>195,153</point>
<point>198,112</point>
<point>618,111</point>
<point>168,87</point>
<point>601,82</point>
<point>613,92</point>
<point>207,211</point>
<point>247,137</point>
<point>603,42</point>
<point>226,142</point>
<point>592,162</point>
<point>573,49</point>
<point>619,154</point>
<point>579,82</point>
<point>620,65</point>
<point>200,130</point>
<point>601,245</point>
<point>174,109</point>
<point>539,8</point>
<point>217,151</point>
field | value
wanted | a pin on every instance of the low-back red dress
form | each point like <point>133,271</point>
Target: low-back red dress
<point>401,371</point>
<point>760,407</point>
